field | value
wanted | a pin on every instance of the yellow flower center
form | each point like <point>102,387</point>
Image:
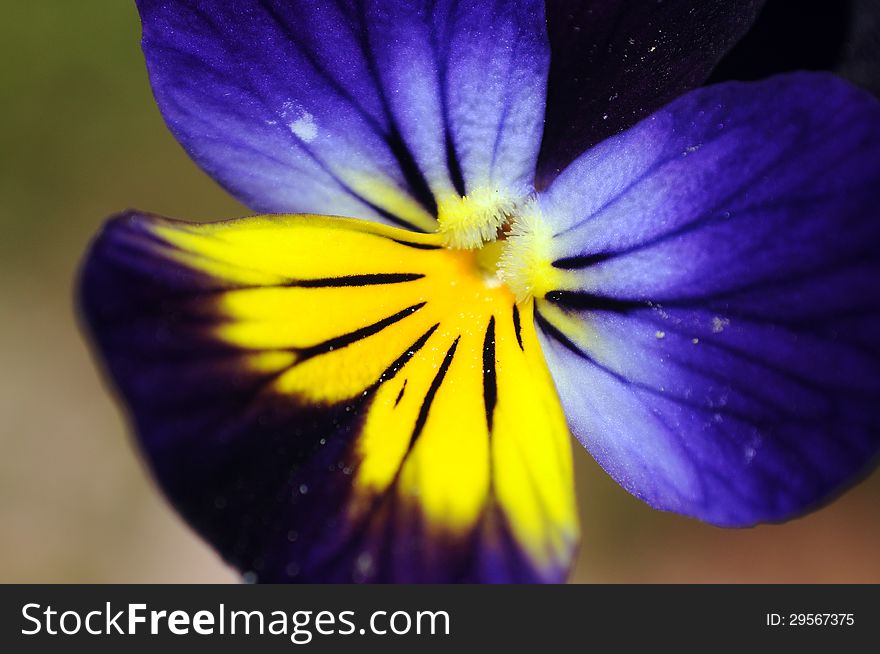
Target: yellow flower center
<point>512,241</point>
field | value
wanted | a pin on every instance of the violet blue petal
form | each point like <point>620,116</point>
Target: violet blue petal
<point>714,336</point>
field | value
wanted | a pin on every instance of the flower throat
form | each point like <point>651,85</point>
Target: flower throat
<point>511,240</point>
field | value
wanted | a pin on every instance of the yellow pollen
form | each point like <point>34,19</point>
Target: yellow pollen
<point>467,222</point>
<point>526,264</point>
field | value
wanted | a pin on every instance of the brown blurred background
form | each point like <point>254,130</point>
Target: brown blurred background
<point>80,139</point>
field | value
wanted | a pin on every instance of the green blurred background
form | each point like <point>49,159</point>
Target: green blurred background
<point>80,139</point>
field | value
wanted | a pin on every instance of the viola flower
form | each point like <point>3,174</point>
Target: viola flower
<point>389,396</point>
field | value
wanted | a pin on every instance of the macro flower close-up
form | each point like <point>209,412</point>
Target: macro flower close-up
<point>484,228</point>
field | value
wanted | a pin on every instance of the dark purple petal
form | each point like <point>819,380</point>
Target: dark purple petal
<point>715,329</point>
<point>614,62</point>
<point>376,109</point>
<point>322,401</point>
<point>788,37</point>
<point>842,37</point>
<point>861,58</point>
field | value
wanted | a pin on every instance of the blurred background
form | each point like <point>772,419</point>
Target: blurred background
<point>81,138</point>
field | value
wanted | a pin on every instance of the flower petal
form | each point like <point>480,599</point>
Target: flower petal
<point>788,37</point>
<point>712,314</point>
<point>615,62</point>
<point>377,109</point>
<point>861,60</point>
<point>330,400</point>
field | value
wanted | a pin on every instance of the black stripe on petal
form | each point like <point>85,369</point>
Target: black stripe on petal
<point>582,260</point>
<point>404,358</point>
<point>352,337</point>
<point>417,246</point>
<point>400,394</point>
<point>517,327</point>
<point>490,384</point>
<point>429,396</point>
<point>373,279</point>
<point>590,302</point>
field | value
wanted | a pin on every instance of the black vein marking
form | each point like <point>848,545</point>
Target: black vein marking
<point>452,162</point>
<point>490,383</point>
<point>551,330</point>
<point>417,246</point>
<point>372,279</point>
<point>344,340</point>
<point>400,394</point>
<point>583,301</point>
<point>429,397</point>
<point>404,358</point>
<point>517,327</point>
<point>413,175</point>
<point>582,260</point>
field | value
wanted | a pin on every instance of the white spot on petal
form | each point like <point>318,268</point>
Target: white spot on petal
<point>305,128</point>
<point>719,323</point>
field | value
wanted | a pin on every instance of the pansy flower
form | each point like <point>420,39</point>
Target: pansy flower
<point>479,240</point>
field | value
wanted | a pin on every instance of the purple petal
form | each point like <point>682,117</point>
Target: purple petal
<point>714,333</point>
<point>613,63</point>
<point>374,109</point>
